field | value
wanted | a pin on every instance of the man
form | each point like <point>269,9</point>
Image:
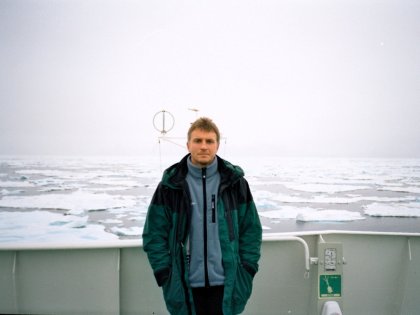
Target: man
<point>202,234</point>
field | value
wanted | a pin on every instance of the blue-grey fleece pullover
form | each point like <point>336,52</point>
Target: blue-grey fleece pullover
<point>206,267</point>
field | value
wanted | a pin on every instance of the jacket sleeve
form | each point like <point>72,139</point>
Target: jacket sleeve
<point>250,231</point>
<point>156,237</point>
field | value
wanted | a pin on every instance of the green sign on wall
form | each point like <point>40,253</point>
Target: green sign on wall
<point>329,286</point>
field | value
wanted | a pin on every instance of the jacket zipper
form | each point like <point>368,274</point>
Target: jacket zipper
<point>206,271</point>
<point>213,208</point>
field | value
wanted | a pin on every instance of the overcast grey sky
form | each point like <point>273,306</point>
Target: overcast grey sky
<point>293,78</point>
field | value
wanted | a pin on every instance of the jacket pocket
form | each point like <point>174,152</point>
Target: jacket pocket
<point>173,292</point>
<point>242,290</point>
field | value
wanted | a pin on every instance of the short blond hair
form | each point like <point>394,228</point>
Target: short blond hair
<point>205,124</point>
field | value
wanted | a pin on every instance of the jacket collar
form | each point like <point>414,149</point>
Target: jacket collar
<point>196,171</point>
<point>174,176</point>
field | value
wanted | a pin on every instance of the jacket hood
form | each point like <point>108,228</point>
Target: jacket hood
<point>174,176</point>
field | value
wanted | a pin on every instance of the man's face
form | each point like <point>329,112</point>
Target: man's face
<point>203,147</point>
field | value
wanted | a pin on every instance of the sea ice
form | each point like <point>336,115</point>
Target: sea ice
<point>311,214</point>
<point>103,189</point>
<point>110,221</point>
<point>78,185</point>
<point>324,188</point>
<point>47,227</point>
<point>351,198</point>
<point>76,202</point>
<point>286,212</point>
<point>65,174</point>
<point>116,182</point>
<point>330,215</point>
<point>5,192</point>
<point>407,189</point>
<point>132,231</point>
<point>15,184</point>
<point>411,209</point>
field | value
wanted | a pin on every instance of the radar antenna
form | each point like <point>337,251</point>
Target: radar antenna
<point>163,122</point>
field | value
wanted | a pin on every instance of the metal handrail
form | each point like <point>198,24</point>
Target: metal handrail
<point>297,239</point>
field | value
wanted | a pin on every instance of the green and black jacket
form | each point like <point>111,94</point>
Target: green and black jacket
<point>166,231</point>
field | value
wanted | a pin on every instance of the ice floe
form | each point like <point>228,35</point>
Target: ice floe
<point>76,202</point>
<point>324,188</point>
<point>65,174</point>
<point>330,216</point>
<point>411,209</point>
<point>131,231</point>
<point>266,199</point>
<point>110,221</point>
<point>116,182</point>
<point>5,192</point>
<point>47,227</point>
<point>15,184</point>
<point>307,214</point>
<point>286,212</point>
<point>407,189</point>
